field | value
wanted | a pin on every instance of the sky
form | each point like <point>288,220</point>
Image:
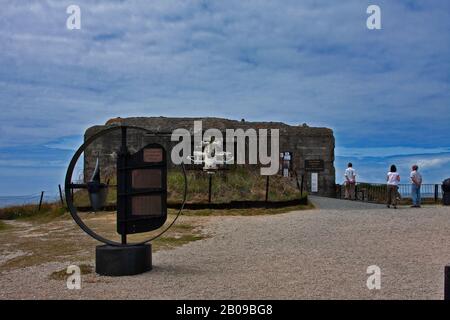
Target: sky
<point>385,93</point>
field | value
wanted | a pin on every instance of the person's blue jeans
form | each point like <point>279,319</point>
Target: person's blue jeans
<point>415,195</point>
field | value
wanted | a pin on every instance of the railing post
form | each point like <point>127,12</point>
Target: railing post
<point>210,188</point>
<point>60,195</point>
<point>40,201</point>
<point>436,193</point>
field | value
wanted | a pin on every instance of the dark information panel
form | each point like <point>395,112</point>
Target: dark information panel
<point>314,165</point>
<point>142,190</point>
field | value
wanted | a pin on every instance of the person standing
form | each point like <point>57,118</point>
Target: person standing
<point>350,182</point>
<point>393,179</point>
<point>416,183</point>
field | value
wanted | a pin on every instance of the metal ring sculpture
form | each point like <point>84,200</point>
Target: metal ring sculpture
<point>70,186</point>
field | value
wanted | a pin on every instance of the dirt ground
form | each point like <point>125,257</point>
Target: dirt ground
<point>322,253</point>
<point>30,242</point>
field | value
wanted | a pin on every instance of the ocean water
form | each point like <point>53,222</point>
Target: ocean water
<point>6,201</point>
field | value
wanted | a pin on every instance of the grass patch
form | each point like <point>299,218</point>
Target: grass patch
<point>48,212</point>
<point>62,274</point>
<point>246,212</point>
<point>172,242</point>
<point>237,184</point>
<point>178,235</point>
<point>61,240</point>
<point>44,249</point>
<point>3,226</point>
<point>163,243</point>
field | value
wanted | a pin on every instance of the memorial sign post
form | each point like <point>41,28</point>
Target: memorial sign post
<point>141,203</point>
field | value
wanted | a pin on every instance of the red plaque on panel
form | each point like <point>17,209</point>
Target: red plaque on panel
<point>146,178</point>
<point>149,205</point>
<point>153,155</point>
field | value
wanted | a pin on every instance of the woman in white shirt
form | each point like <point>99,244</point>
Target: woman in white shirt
<point>393,179</point>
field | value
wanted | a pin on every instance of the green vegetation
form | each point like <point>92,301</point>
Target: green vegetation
<point>3,226</point>
<point>238,184</point>
<point>244,211</point>
<point>165,242</point>
<point>231,185</point>
<point>172,242</point>
<point>49,211</point>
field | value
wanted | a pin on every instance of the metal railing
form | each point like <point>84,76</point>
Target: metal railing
<point>377,192</point>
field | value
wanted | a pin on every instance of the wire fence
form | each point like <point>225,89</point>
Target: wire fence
<point>30,199</point>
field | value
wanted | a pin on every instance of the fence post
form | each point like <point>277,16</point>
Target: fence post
<point>60,195</point>
<point>267,188</point>
<point>40,201</point>
<point>210,188</point>
<point>436,193</point>
<point>301,185</point>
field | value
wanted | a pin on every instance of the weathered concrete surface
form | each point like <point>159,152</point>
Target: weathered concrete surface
<point>304,142</point>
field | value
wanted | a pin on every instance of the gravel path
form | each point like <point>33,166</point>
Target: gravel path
<point>314,254</point>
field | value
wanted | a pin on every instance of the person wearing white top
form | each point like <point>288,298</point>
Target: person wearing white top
<point>393,179</point>
<point>416,182</point>
<point>350,182</point>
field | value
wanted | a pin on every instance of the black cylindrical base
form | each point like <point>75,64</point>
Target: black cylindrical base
<point>123,261</point>
<point>447,282</point>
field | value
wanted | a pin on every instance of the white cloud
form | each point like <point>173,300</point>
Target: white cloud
<point>387,151</point>
<point>295,62</point>
<point>435,167</point>
<point>433,163</point>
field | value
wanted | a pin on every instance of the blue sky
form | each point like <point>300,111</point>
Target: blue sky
<point>385,93</point>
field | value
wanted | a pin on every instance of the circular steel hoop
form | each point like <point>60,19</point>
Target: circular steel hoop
<point>68,186</point>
